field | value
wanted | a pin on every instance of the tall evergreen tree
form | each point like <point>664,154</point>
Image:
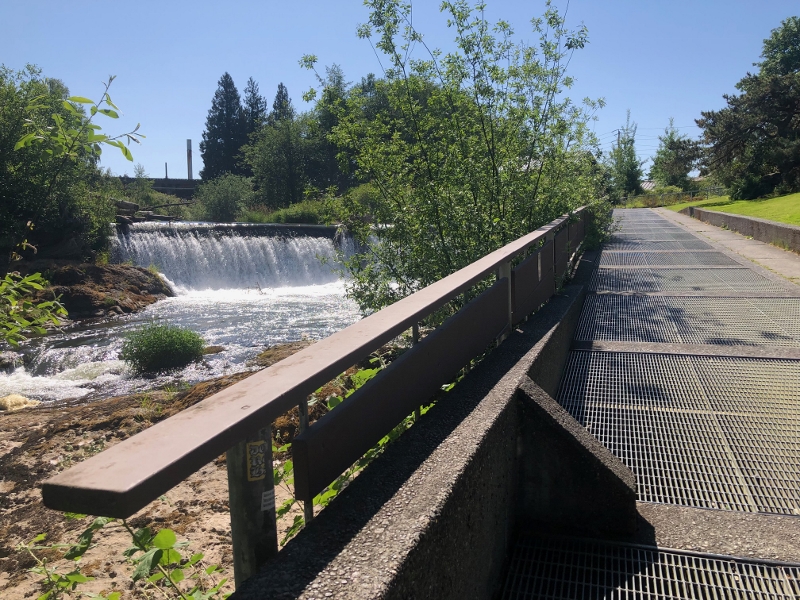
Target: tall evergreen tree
<point>225,132</point>
<point>623,165</point>
<point>255,107</point>
<point>282,108</point>
<point>276,154</point>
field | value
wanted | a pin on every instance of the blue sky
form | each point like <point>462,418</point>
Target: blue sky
<point>659,59</point>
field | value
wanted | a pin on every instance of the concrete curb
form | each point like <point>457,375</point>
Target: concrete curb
<point>778,234</point>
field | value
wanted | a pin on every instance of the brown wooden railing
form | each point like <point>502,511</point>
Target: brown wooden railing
<point>126,477</point>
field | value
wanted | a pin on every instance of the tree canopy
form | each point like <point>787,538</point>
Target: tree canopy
<point>468,150</point>
<point>753,144</point>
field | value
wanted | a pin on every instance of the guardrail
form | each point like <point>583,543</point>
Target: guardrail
<point>123,479</point>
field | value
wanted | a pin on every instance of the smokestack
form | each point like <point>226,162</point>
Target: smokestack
<point>166,172</point>
<point>189,157</point>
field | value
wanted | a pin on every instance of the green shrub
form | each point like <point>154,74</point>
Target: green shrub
<point>223,199</point>
<point>161,348</point>
<point>308,211</point>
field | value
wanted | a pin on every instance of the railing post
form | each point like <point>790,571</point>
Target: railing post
<point>251,496</point>
<point>308,507</point>
<point>504,270</point>
<point>414,342</point>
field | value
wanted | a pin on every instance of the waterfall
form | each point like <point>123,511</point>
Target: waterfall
<point>239,256</point>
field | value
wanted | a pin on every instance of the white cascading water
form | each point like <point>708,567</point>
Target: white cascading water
<point>238,289</point>
<point>197,259</point>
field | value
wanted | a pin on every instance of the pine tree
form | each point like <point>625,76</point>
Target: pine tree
<point>623,165</point>
<point>255,107</point>
<point>225,132</point>
<point>675,158</point>
<point>282,108</point>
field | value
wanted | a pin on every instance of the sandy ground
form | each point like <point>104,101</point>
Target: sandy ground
<point>36,443</point>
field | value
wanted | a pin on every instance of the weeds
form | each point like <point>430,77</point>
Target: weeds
<point>157,560</point>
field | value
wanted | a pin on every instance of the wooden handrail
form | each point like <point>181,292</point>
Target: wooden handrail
<point>121,480</point>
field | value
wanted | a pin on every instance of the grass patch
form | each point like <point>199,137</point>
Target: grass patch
<point>783,209</point>
<point>156,348</point>
<point>307,212</point>
<point>705,203</point>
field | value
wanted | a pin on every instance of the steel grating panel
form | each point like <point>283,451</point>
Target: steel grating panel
<point>710,259</point>
<point>650,246</point>
<point>678,457</point>
<point>768,450</point>
<point>690,320</point>
<point>681,280</point>
<point>666,258</point>
<point>628,379</point>
<point>623,259</point>
<point>625,236</point>
<point>703,431</point>
<point>560,568</point>
<point>751,385</point>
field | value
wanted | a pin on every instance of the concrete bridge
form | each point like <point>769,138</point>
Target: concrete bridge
<point>638,436</point>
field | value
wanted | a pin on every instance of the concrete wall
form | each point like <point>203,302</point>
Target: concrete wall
<point>434,516</point>
<point>183,188</point>
<point>779,234</point>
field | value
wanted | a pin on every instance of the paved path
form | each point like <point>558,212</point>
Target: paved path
<point>686,365</point>
<point>777,260</point>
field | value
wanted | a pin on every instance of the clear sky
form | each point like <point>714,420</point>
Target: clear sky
<point>659,59</point>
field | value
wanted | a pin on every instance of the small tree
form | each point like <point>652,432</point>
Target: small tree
<point>624,166</point>
<point>225,131</point>
<point>675,158</point>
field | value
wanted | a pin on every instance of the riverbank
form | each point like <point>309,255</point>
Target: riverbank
<point>92,291</point>
<point>39,442</point>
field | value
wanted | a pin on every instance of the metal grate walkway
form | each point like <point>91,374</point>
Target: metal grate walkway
<point>685,365</point>
<point>566,569</point>
<point>706,431</point>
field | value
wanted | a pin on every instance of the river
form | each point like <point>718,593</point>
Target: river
<point>238,289</point>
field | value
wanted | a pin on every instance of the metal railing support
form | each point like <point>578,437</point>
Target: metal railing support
<point>251,495</point>
<point>308,506</point>
<point>504,270</point>
<point>414,342</point>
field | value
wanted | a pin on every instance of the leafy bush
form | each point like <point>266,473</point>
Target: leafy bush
<point>223,199</point>
<point>308,211</point>
<point>161,347</point>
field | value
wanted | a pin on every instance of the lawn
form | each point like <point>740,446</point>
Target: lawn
<point>784,209</point>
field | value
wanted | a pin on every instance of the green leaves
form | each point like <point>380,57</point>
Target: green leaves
<point>62,140</point>
<point>19,314</point>
<point>85,539</point>
<point>146,563</point>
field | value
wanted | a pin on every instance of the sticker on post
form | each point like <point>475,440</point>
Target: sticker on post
<point>256,460</point>
<point>268,500</point>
